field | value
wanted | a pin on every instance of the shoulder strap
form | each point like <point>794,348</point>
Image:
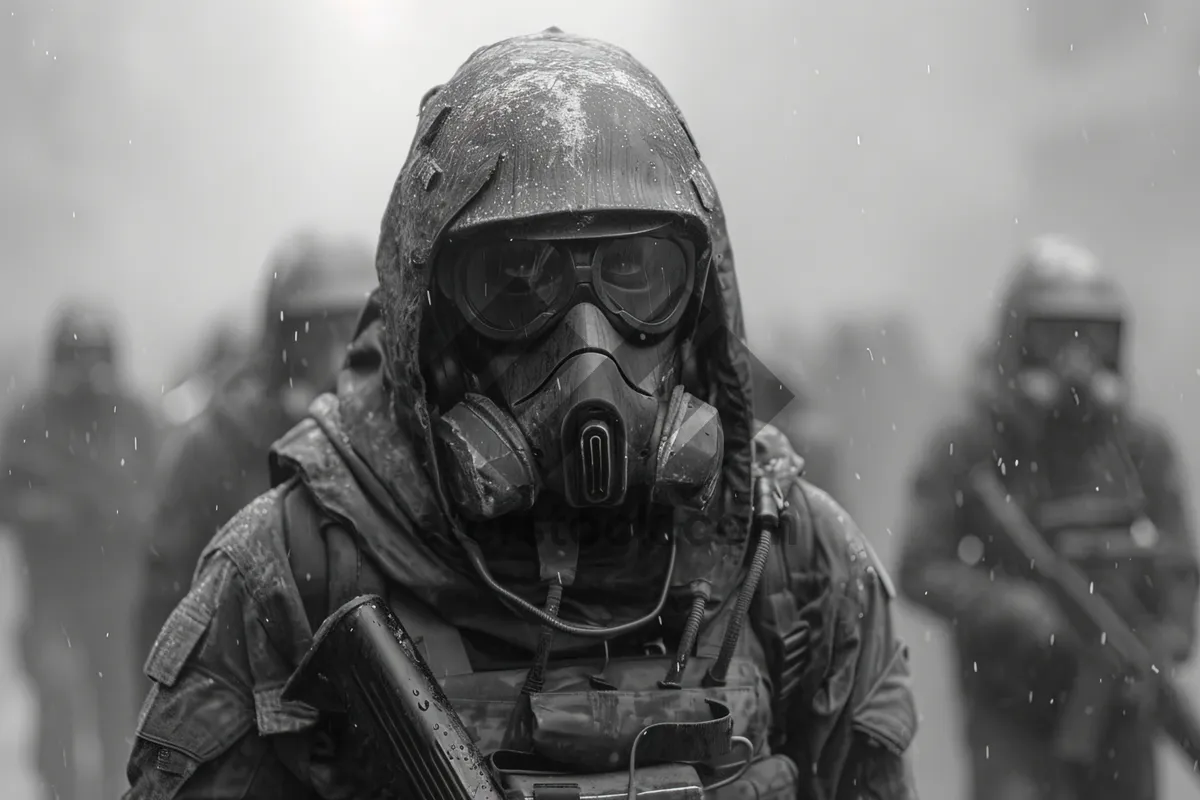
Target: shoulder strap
<point>330,571</point>
<point>306,553</point>
<point>326,561</point>
<point>350,575</point>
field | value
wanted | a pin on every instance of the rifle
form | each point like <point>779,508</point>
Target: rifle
<point>363,662</point>
<point>1115,647</point>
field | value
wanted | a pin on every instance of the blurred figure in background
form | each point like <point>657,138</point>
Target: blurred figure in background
<point>872,380</point>
<point>1049,418</point>
<point>221,352</point>
<point>76,463</point>
<point>217,463</point>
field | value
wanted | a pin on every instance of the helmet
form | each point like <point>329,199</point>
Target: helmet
<point>546,268</point>
<point>1062,319</point>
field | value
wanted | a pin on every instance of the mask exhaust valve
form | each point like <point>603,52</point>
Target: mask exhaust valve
<point>596,461</point>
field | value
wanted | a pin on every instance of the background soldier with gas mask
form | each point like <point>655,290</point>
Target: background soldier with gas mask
<point>1051,424</point>
<point>512,461</point>
<point>75,468</point>
<point>217,463</point>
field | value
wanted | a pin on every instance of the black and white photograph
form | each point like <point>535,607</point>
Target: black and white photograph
<point>532,400</point>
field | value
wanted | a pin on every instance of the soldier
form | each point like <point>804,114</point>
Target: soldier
<point>75,466</point>
<point>511,452</point>
<point>1051,422</point>
<point>217,463</point>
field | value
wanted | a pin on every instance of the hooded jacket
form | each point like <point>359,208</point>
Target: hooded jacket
<point>216,720</point>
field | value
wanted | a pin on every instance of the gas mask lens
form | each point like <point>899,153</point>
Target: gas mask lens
<point>512,286</point>
<point>643,278</point>
<point>513,289</point>
<point>1047,340</point>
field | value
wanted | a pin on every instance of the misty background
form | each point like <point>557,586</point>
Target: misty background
<point>880,163</point>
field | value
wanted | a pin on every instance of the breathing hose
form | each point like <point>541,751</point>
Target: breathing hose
<point>766,514</point>
<point>700,597</point>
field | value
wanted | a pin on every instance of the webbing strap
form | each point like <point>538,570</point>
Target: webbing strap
<point>439,642</point>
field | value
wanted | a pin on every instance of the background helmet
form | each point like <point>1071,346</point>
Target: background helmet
<point>1061,326</point>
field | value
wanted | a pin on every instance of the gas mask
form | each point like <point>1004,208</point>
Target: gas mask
<point>1070,369</point>
<point>570,359</point>
<point>84,370</point>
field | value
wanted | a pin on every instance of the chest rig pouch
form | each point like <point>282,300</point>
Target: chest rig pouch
<point>415,738</point>
<point>595,725</point>
<point>644,726</point>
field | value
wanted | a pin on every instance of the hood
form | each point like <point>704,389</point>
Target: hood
<point>554,125</point>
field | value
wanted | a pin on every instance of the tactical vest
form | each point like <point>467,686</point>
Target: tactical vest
<point>586,709</point>
<point>1096,519</point>
<point>1099,522</point>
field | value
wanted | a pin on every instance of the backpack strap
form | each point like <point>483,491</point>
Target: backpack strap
<point>306,553</point>
<point>350,575</point>
<point>440,643</point>
<point>330,571</point>
<point>326,561</point>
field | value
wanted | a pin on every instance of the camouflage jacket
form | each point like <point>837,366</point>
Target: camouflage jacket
<point>215,723</point>
<point>210,469</point>
<point>946,569</point>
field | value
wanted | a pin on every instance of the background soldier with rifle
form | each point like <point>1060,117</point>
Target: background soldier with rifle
<point>1055,705</point>
<point>315,287</point>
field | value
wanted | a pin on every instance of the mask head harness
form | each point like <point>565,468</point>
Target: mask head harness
<point>554,359</point>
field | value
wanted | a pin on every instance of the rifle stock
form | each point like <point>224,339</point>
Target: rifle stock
<point>1091,615</point>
